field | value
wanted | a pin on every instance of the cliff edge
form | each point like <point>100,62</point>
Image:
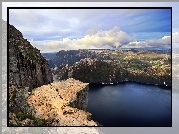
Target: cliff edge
<point>28,69</point>
<point>33,101</point>
<point>53,102</point>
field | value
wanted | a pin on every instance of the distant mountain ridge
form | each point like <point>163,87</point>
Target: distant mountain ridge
<point>71,56</point>
<point>148,67</point>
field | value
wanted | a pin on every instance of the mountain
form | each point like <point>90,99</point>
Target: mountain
<point>69,57</point>
<point>142,66</point>
<point>33,99</point>
<point>28,69</point>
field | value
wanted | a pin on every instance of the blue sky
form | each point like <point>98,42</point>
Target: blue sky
<point>74,23</point>
<point>57,29</point>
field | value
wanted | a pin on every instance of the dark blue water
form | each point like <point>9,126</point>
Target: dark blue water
<point>130,104</point>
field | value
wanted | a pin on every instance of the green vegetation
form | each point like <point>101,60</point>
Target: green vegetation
<point>40,122</point>
<point>23,116</point>
<point>117,66</point>
<point>31,54</point>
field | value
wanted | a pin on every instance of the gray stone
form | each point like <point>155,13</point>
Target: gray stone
<point>23,66</point>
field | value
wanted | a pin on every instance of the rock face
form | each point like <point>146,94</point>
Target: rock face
<point>33,98</point>
<point>28,69</point>
<point>108,71</point>
<point>81,100</point>
<point>53,102</point>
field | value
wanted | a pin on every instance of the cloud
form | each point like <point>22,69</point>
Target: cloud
<point>113,38</point>
<point>175,39</point>
<point>164,42</point>
<point>59,29</point>
<point>45,24</point>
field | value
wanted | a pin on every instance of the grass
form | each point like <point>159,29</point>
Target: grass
<point>22,116</point>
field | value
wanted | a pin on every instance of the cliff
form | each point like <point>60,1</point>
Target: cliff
<point>69,57</point>
<point>28,69</point>
<point>33,101</point>
<point>115,71</point>
<point>53,103</point>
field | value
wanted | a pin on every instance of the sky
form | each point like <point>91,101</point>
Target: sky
<point>51,30</point>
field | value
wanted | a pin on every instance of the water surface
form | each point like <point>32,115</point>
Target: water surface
<point>130,104</point>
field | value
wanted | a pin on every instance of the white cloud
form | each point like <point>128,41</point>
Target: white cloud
<point>38,23</point>
<point>164,42</point>
<point>175,39</point>
<point>114,38</point>
<point>85,26</point>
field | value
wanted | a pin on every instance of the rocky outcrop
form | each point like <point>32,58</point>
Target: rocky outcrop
<point>28,69</point>
<point>81,100</point>
<point>33,102</point>
<point>114,71</point>
<point>53,103</point>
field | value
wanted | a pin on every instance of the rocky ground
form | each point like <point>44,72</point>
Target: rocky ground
<point>29,130</point>
<point>62,103</point>
<point>52,103</point>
